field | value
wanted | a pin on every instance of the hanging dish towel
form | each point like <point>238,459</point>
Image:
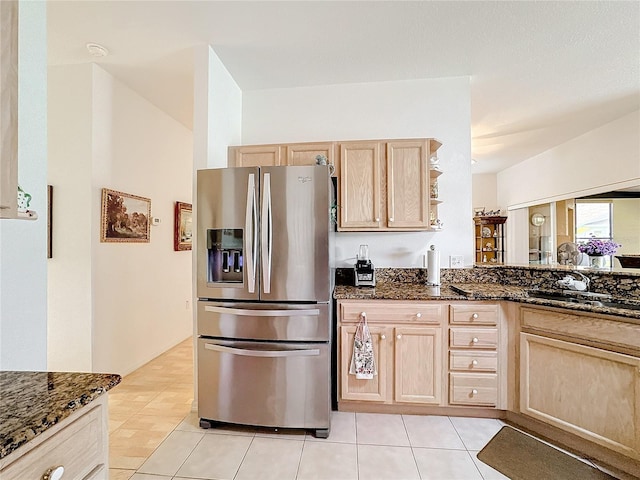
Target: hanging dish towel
<point>363,363</point>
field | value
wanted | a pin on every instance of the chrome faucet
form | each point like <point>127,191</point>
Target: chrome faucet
<point>581,284</point>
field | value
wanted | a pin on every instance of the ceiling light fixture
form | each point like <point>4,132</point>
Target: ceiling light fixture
<point>97,50</point>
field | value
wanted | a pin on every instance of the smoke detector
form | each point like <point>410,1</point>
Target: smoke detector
<point>97,50</point>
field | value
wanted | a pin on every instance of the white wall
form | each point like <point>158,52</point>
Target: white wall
<point>23,267</point>
<point>437,108</point>
<point>114,306</point>
<point>217,114</point>
<point>141,292</point>
<point>484,188</point>
<point>603,159</point>
<point>69,322</point>
<point>626,225</point>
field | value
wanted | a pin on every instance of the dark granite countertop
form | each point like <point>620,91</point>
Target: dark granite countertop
<point>469,291</point>
<point>32,402</point>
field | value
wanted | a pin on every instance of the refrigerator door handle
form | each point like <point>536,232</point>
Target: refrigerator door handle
<point>252,233</point>
<point>267,233</point>
<point>263,313</point>
<point>262,353</point>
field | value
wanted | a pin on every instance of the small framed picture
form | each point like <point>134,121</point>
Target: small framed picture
<point>183,227</point>
<point>125,217</point>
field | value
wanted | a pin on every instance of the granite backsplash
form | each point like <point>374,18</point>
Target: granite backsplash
<point>615,283</point>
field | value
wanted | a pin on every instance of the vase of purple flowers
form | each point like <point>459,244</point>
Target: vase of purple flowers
<point>598,250</point>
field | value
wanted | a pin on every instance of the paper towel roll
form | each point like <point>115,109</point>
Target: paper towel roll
<point>433,266</point>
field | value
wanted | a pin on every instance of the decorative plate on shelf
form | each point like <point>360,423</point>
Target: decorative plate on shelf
<point>486,232</point>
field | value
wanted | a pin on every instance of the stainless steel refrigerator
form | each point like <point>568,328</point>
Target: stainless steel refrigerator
<point>263,284</point>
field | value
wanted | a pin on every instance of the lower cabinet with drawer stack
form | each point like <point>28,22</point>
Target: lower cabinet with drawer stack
<point>474,341</point>
<point>428,354</point>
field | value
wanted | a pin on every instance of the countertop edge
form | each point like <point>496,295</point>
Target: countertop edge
<point>39,421</point>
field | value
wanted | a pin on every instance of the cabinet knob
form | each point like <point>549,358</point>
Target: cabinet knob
<point>363,314</point>
<point>383,337</point>
<point>474,362</point>
<point>474,339</point>
<point>54,473</point>
<point>474,392</point>
<point>418,315</point>
<point>391,219</point>
<point>475,315</point>
<point>399,337</point>
<point>377,219</point>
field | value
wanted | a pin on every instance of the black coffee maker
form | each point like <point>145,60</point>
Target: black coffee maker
<point>365,274</point>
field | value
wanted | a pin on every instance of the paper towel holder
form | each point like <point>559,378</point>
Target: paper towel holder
<point>433,267</point>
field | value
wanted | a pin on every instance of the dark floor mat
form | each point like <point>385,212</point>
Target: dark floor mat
<point>522,457</point>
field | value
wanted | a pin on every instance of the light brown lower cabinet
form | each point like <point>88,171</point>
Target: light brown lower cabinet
<point>79,444</point>
<point>409,355</point>
<point>408,349</point>
<point>590,392</point>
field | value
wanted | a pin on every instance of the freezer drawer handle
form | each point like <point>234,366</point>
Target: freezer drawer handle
<point>262,353</point>
<point>262,313</point>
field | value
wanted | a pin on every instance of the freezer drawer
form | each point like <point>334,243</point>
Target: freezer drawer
<point>283,385</point>
<point>264,321</point>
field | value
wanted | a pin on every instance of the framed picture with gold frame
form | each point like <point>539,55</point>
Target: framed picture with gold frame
<point>125,217</point>
<point>183,227</point>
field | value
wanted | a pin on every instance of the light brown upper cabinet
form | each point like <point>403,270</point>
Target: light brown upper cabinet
<point>285,154</point>
<point>255,156</point>
<point>8,108</point>
<point>360,171</point>
<point>306,153</point>
<point>386,185</point>
<point>407,185</point>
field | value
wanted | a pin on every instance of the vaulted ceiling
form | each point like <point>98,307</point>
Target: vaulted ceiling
<point>541,72</point>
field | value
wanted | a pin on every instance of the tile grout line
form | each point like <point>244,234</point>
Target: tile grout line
<point>243,457</point>
<point>413,453</point>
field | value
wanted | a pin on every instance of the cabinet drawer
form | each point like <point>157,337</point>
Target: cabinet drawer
<point>78,448</point>
<point>582,326</point>
<point>473,337</point>
<point>474,361</point>
<point>473,388</point>
<point>474,314</point>
<point>392,312</point>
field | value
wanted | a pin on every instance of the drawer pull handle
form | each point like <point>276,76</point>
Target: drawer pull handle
<point>474,362</point>
<point>475,340</point>
<point>474,392</point>
<point>418,315</point>
<point>475,315</point>
<point>399,337</point>
<point>54,473</point>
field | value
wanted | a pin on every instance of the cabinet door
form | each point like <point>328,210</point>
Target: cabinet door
<point>359,201</point>
<point>8,109</point>
<point>418,365</point>
<point>306,153</point>
<point>589,392</point>
<point>370,390</point>
<point>407,184</point>
<point>255,156</point>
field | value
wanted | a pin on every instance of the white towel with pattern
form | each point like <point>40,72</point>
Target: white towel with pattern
<point>363,362</point>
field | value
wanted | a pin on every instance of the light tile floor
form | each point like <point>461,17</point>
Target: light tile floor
<point>155,436</point>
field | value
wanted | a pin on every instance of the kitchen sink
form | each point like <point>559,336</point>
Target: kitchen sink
<point>584,298</point>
